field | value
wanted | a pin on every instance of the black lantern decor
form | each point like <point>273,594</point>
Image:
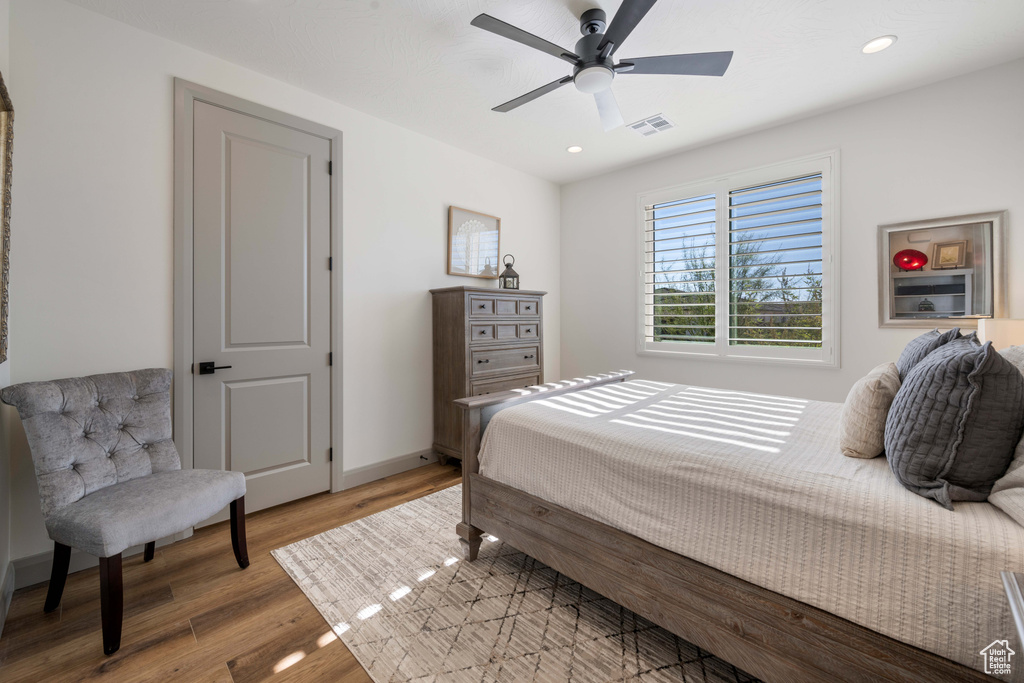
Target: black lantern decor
<point>509,279</point>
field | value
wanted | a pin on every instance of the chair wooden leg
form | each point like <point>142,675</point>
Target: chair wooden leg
<point>150,549</point>
<point>58,576</point>
<point>111,602</point>
<point>238,532</point>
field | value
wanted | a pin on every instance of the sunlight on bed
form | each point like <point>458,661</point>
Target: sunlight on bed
<point>602,400</point>
<point>732,417</point>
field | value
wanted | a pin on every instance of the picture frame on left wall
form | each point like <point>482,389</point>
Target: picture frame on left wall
<point>6,156</point>
<point>474,242</point>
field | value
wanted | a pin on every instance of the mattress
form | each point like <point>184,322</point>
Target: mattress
<point>757,487</point>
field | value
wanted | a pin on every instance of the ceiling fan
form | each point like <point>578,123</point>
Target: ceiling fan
<point>594,67</point>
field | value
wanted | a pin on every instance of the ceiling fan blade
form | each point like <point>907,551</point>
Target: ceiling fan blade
<point>608,108</point>
<point>489,23</point>
<point>532,95</point>
<point>696,64</point>
<point>629,15</point>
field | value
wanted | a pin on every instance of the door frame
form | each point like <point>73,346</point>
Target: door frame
<point>185,95</point>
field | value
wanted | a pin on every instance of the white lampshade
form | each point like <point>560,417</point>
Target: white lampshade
<point>1002,332</point>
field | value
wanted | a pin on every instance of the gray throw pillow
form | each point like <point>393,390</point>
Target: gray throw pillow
<point>954,424</point>
<point>919,347</point>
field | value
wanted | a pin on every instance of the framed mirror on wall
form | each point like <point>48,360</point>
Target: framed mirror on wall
<point>474,241</point>
<point>942,272</point>
<point>6,154</point>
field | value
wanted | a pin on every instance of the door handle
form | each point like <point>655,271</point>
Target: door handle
<point>210,367</point>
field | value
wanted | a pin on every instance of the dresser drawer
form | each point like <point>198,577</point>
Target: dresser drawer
<point>528,330</point>
<point>493,386</point>
<point>481,333</point>
<point>481,306</point>
<point>528,307</point>
<point>492,361</point>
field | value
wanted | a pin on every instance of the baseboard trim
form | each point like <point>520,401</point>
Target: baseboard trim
<point>402,463</point>
<point>36,568</point>
<point>6,595</point>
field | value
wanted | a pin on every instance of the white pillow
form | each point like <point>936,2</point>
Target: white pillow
<point>1014,354</point>
<point>1008,491</point>
<point>862,424</point>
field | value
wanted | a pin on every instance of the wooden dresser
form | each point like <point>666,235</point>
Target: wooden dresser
<point>485,340</point>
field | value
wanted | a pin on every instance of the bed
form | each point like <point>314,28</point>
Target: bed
<point>732,520</point>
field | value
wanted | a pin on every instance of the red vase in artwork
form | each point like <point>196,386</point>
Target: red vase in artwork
<point>910,259</point>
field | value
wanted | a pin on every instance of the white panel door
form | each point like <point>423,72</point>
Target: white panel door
<point>261,304</point>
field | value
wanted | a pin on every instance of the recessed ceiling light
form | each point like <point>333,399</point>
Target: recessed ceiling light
<point>575,149</point>
<point>878,44</point>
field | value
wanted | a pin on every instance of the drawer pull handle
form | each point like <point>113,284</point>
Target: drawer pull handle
<point>488,360</point>
<point>483,331</point>
<point>528,329</point>
<point>529,308</point>
<point>483,305</point>
<point>528,357</point>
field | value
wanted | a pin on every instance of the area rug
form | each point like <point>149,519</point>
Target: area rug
<point>394,588</point>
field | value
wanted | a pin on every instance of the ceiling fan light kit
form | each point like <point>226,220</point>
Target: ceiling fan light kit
<point>593,79</point>
<point>594,66</point>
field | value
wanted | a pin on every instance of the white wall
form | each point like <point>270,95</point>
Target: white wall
<point>92,267</point>
<point>951,148</point>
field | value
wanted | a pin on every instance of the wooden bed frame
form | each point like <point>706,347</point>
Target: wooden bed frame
<point>764,633</point>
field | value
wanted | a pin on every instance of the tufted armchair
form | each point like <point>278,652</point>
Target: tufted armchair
<point>110,478</point>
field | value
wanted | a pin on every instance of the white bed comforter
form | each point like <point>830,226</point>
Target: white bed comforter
<point>756,486</point>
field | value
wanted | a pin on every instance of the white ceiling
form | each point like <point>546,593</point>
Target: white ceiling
<point>419,63</point>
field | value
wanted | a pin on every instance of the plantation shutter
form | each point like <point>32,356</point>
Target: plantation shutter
<point>775,270</point>
<point>679,270</point>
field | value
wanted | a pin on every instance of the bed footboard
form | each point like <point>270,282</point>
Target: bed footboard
<point>478,410</point>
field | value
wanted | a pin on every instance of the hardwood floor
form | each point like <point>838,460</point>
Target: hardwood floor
<point>192,615</point>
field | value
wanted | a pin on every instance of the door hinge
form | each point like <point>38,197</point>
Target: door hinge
<point>330,454</point>
<point>330,168</point>
<point>330,358</point>
<point>330,263</point>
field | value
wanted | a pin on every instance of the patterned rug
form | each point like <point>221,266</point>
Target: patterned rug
<point>395,590</point>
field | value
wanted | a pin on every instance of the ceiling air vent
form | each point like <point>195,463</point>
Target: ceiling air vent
<point>652,125</point>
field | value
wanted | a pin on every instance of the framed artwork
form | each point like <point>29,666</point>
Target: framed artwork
<point>6,154</point>
<point>949,255</point>
<point>474,242</point>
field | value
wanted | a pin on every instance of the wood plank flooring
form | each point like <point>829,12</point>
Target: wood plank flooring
<point>192,615</point>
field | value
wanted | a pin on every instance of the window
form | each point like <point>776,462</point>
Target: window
<point>743,266</point>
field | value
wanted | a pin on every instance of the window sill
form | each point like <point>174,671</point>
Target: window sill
<point>755,360</point>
